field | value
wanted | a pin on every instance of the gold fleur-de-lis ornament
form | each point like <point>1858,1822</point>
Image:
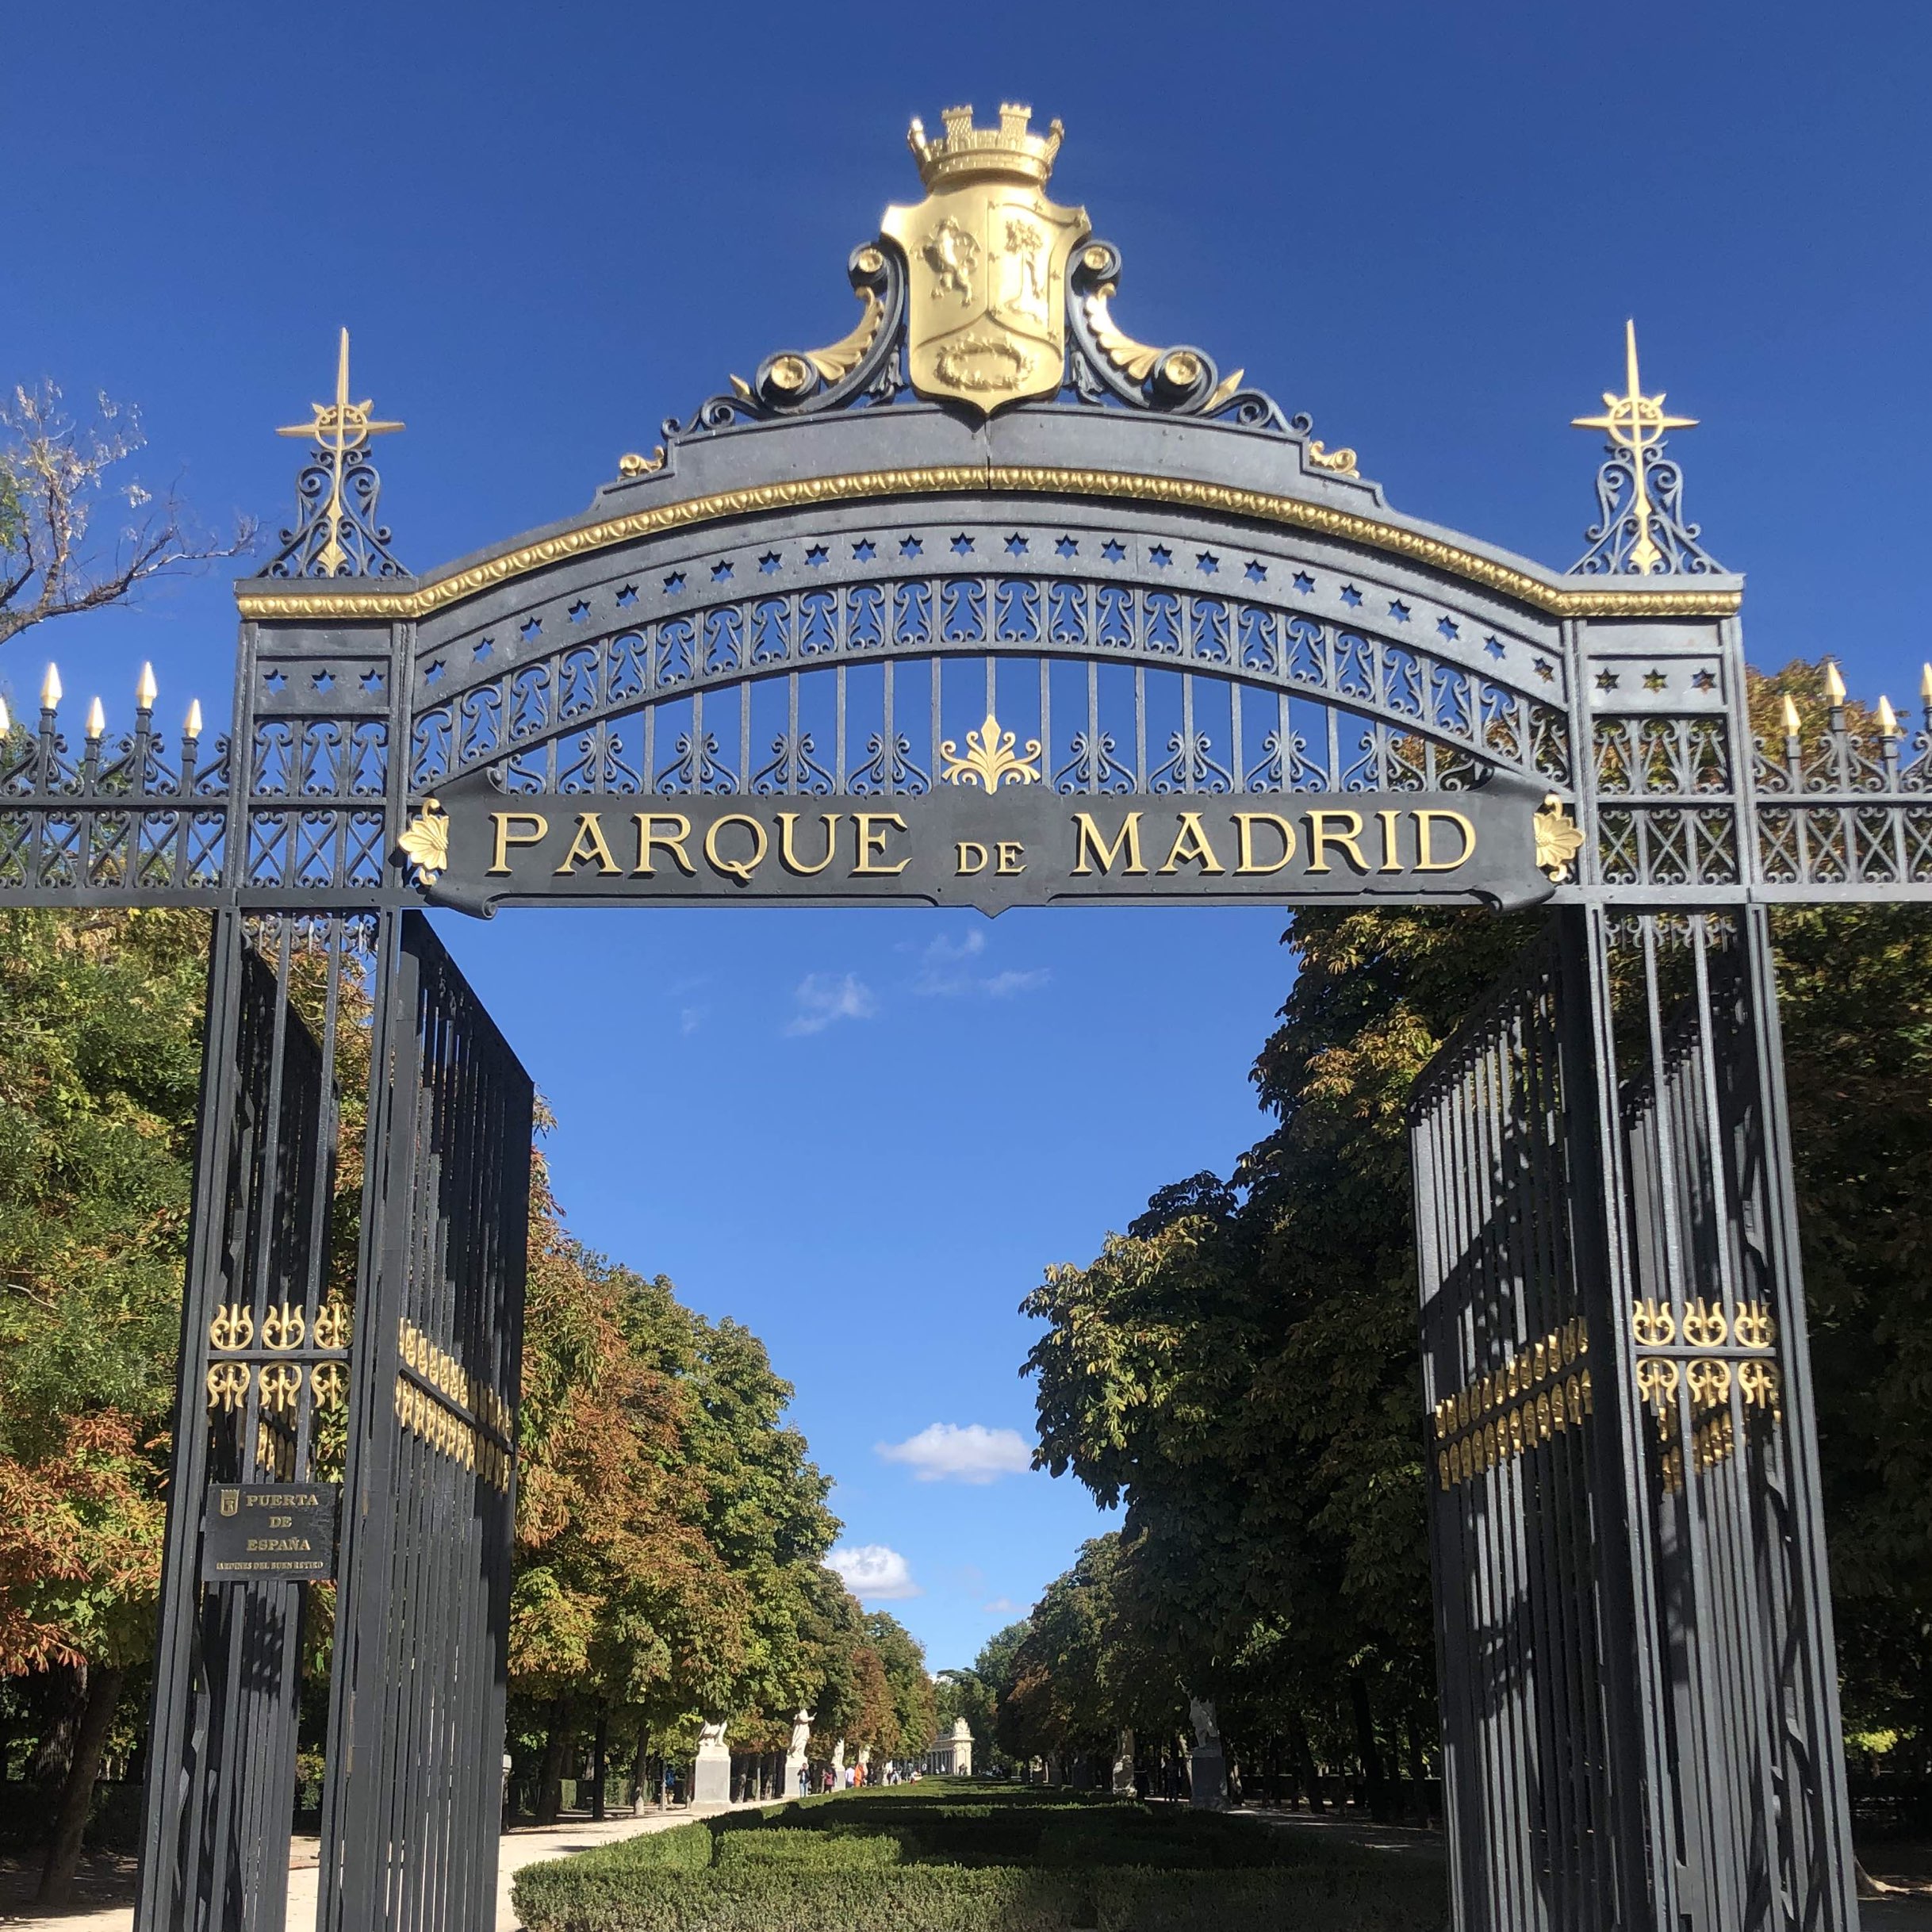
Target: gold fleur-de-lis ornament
<point>989,759</point>
<point>1559,838</point>
<point>425,842</point>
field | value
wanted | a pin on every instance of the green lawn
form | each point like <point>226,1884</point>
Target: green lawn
<point>950,1856</point>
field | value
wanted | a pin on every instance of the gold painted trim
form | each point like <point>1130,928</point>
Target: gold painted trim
<point>961,479</point>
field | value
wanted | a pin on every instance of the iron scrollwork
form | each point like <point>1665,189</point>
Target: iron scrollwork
<point>866,365</point>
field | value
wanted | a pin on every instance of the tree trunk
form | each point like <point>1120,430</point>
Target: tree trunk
<point>1367,1748</point>
<point>599,1748</point>
<point>640,1770</point>
<point>549,1778</point>
<point>1417,1777</point>
<point>48,1767</point>
<point>63,1848</point>
<point>1304,1757</point>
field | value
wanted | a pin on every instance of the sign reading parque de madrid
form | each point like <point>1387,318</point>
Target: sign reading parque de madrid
<point>983,843</point>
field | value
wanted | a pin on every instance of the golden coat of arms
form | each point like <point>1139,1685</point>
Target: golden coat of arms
<point>987,253</point>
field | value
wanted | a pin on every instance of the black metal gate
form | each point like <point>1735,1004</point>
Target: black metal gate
<point>1638,1725</point>
<point>265,1340</point>
<point>426,1459</point>
<point>409,1829</point>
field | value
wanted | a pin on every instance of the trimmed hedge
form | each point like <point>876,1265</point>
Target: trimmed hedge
<point>849,1851</point>
<point>905,1898</point>
<point>1036,1861</point>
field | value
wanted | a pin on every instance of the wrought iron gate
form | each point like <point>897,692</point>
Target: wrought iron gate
<point>265,1340</point>
<point>427,1458</point>
<point>410,1825</point>
<point>1640,1724</point>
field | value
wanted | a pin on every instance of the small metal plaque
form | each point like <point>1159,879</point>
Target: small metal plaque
<point>269,1531</point>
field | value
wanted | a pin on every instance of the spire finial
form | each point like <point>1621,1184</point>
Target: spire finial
<point>338,537</point>
<point>191,726</point>
<point>50,689</point>
<point>1627,537</point>
<point>146,690</point>
<point>1835,683</point>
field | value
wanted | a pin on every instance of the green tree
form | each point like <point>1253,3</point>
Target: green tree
<point>100,1023</point>
<point>915,1718</point>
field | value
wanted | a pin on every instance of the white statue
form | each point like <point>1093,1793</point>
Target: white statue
<point>801,1735</point>
<point>1201,1714</point>
<point>710,1772</point>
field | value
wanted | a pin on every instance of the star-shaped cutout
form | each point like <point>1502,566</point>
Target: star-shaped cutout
<point>1544,669</point>
<point>429,677</point>
<point>628,595</point>
<point>530,628</point>
<point>1607,680</point>
<point>911,546</point>
<point>720,572</point>
<point>1016,545</point>
<point>1161,557</point>
<point>816,555</point>
<point>1655,679</point>
<point>1704,680</point>
<point>483,648</point>
<point>1303,582</point>
<point>865,550</point>
<point>1207,563</point>
<point>1112,551</point>
<point>1446,629</point>
<point>1494,646</point>
<point>372,682</point>
<point>1068,547</point>
<point>1257,573</point>
<point>769,562</point>
<point>962,545</point>
<point>1351,595</point>
<point>1399,611</point>
<point>675,582</point>
<point>323,681</point>
<point>579,612</point>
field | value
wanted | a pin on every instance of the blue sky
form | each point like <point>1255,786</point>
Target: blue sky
<point>865,1132</point>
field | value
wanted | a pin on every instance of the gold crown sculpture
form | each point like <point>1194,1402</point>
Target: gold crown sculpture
<point>968,152</point>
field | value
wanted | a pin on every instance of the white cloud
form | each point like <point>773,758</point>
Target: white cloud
<point>874,1572</point>
<point>824,997</point>
<point>1002,1606</point>
<point>947,1452</point>
<point>946,972</point>
<point>691,1018</point>
<point>1001,985</point>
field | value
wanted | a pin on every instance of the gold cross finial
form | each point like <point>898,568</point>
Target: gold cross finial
<point>1635,422</point>
<point>339,427</point>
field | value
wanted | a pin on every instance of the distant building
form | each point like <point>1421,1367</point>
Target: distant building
<point>952,1753</point>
